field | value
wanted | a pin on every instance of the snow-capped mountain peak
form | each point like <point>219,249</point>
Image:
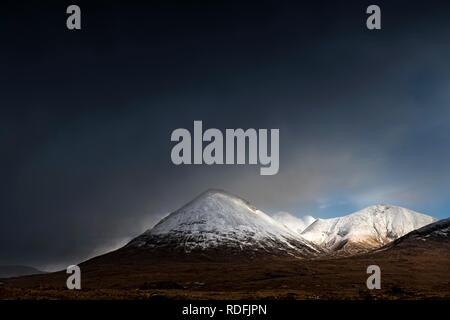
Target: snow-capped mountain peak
<point>218,219</point>
<point>368,228</point>
<point>213,210</point>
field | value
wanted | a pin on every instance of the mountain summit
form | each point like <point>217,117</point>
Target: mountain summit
<point>219,220</point>
<point>366,229</point>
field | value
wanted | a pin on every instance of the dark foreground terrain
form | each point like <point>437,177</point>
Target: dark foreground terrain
<point>410,270</point>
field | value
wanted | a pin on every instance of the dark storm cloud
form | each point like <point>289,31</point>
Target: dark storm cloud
<point>86,117</point>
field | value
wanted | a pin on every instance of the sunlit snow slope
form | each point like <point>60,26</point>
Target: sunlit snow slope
<point>367,229</point>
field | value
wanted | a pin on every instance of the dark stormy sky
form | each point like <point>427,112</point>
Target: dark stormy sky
<point>86,116</point>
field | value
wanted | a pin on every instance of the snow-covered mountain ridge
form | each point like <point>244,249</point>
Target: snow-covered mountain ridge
<point>369,228</point>
<point>218,220</point>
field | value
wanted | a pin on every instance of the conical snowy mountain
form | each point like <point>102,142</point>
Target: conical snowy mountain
<point>364,230</point>
<point>219,220</point>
